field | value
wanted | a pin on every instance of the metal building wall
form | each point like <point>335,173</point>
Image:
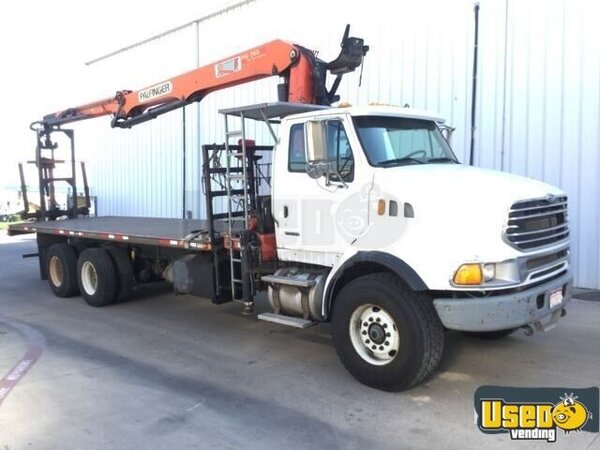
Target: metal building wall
<point>416,57</point>
<point>138,172</point>
<point>537,109</point>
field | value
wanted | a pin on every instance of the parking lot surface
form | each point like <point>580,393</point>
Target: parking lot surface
<point>176,372</point>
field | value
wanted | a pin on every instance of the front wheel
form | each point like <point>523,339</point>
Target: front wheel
<point>387,336</point>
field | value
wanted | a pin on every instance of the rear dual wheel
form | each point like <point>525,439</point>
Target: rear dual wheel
<point>124,268</point>
<point>102,275</point>
<point>61,267</point>
<point>105,275</point>
<point>97,277</point>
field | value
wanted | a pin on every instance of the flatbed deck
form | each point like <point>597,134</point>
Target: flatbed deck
<point>183,233</point>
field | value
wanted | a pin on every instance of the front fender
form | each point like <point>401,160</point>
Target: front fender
<point>378,260</point>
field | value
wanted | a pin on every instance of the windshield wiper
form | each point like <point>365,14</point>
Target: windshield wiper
<point>442,159</point>
<point>399,161</point>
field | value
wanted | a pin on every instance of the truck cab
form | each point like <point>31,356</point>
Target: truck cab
<point>372,200</point>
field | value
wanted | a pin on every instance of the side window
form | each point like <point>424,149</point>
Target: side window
<point>297,157</point>
<point>339,151</point>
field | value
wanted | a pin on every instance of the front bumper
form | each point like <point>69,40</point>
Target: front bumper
<point>506,311</point>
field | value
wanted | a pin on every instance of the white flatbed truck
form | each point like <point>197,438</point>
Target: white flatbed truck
<point>358,216</point>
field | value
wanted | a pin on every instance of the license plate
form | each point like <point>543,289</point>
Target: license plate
<point>555,298</point>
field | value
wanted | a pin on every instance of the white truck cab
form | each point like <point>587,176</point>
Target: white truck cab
<point>376,197</point>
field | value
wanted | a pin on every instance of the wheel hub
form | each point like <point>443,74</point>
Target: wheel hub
<point>56,271</point>
<point>374,334</point>
<point>89,278</point>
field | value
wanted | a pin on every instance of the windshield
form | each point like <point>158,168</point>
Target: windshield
<point>396,141</point>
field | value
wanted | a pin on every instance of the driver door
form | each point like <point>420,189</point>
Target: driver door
<point>319,218</point>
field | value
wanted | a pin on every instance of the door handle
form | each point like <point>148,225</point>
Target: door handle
<point>285,212</point>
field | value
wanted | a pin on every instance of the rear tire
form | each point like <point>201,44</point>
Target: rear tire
<point>490,335</point>
<point>97,277</point>
<point>125,280</point>
<point>61,266</point>
<point>380,311</point>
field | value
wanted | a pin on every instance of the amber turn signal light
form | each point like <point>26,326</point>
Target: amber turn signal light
<point>381,207</point>
<point>468,274</point>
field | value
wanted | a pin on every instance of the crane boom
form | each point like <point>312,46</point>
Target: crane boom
<point>304,77</point>
<point>302,80</point>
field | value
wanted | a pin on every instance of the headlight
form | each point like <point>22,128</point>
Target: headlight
<point>489,272</point>
<point>499,274</point>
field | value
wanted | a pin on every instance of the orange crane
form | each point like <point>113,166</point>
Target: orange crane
<point>303,80</point>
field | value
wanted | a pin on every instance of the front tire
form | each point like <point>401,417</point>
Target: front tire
<point>96,277</point>
<point>386,335</point>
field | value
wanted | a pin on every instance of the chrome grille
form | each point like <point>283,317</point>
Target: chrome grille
<point>540,267</point>
<point>537,223</point>
<point>546,260</point>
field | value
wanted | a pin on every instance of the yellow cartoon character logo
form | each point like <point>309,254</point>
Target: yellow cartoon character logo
<point>569,414</point>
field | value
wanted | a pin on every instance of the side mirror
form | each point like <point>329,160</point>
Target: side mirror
<point>316,141</point>
<point>317,170</point>
<point>447,131</point>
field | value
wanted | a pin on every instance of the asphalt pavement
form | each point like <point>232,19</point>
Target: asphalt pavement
<point>175,372</point>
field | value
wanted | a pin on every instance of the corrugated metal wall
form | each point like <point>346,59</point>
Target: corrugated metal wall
<point>138,172</point>
<point>537,108</point>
